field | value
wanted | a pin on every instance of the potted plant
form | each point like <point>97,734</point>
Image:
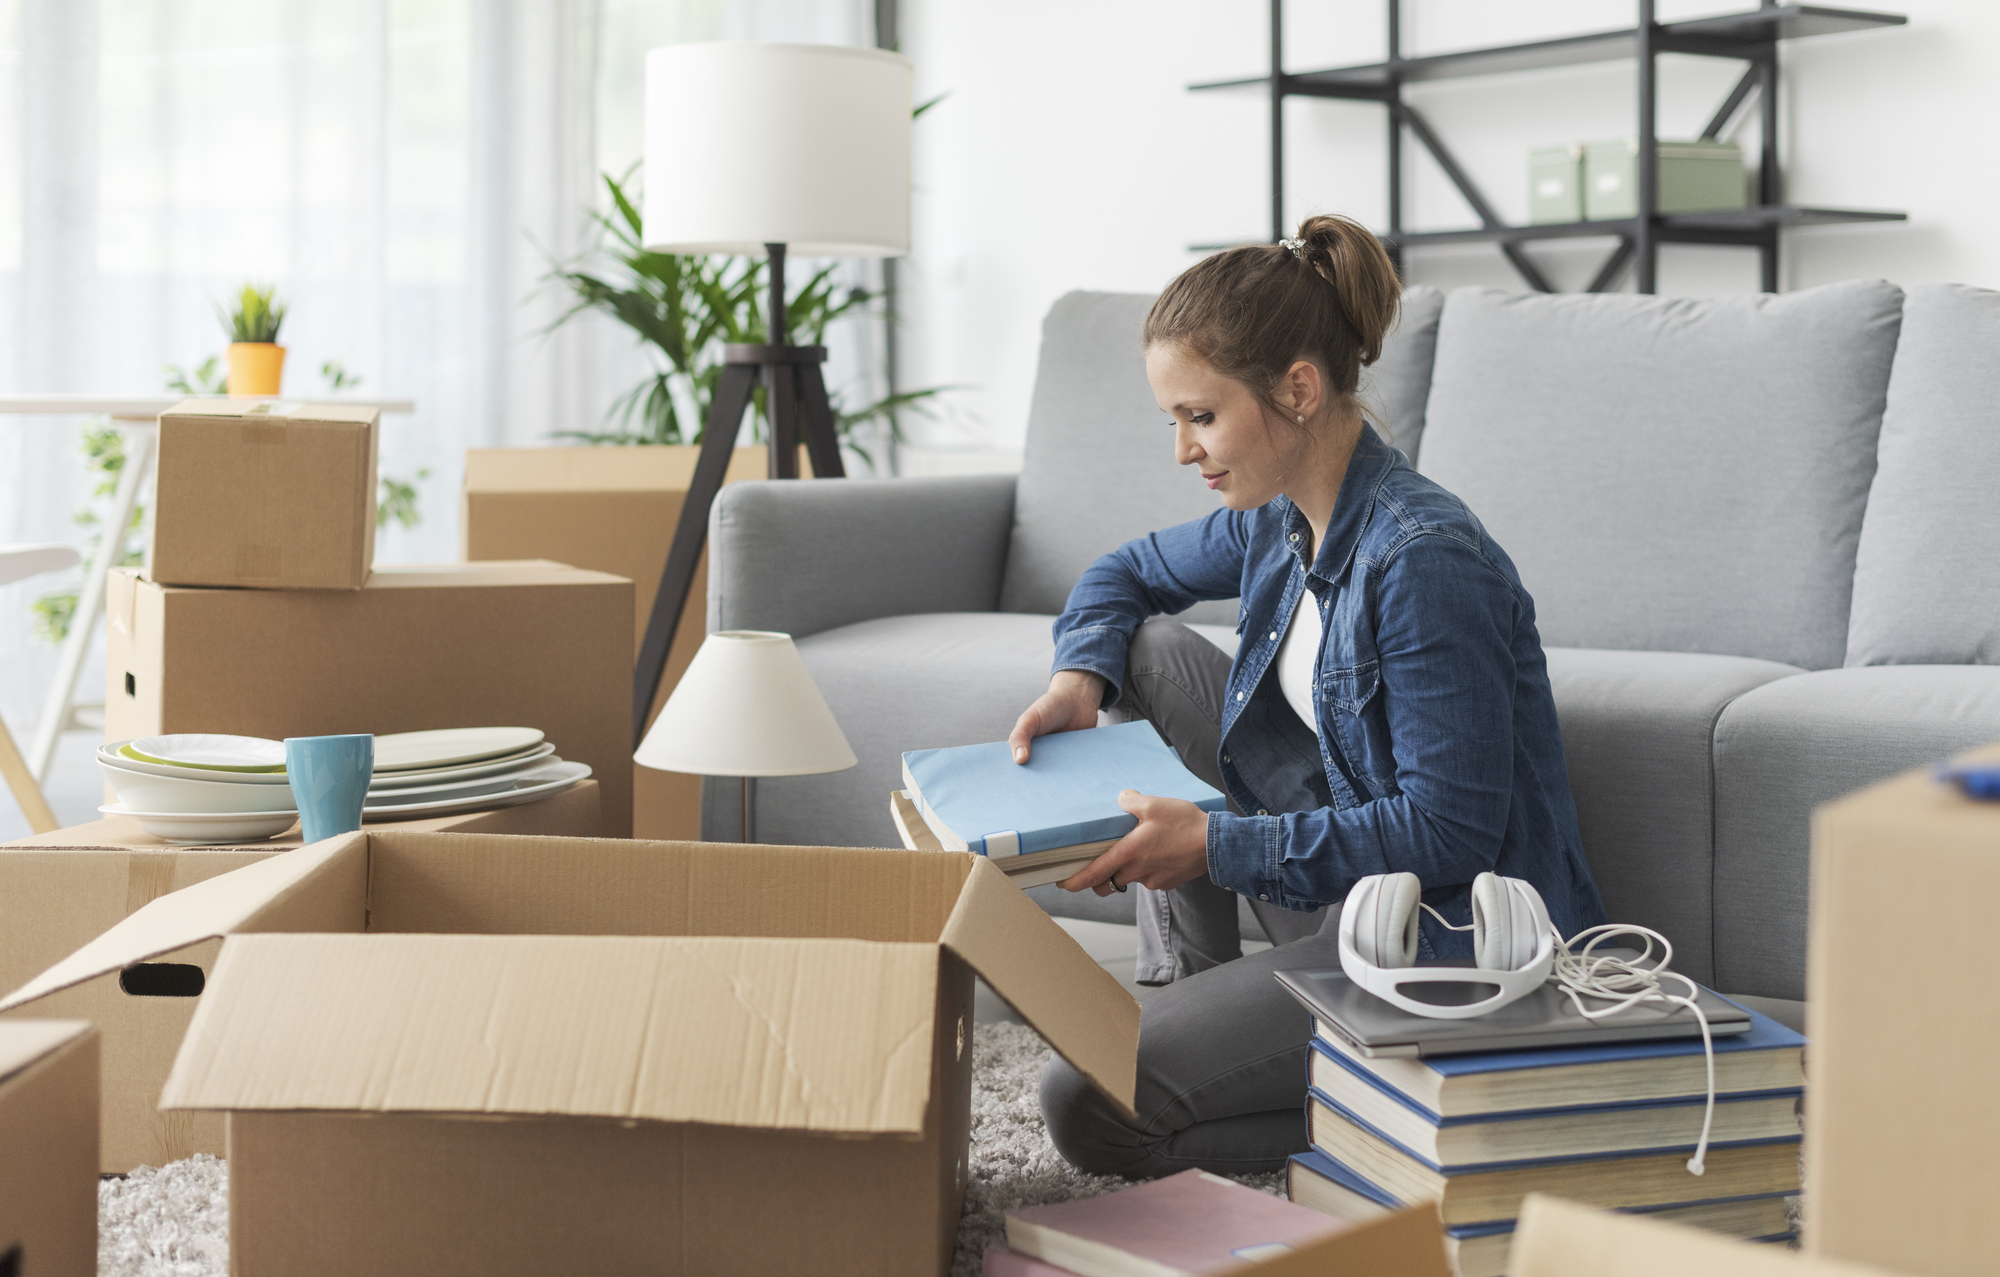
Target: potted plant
<point>256,360</point>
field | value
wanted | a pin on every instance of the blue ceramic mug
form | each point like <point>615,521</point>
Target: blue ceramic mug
<point>329,777</point>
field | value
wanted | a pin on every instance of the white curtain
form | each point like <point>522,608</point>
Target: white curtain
<point>402,170</point>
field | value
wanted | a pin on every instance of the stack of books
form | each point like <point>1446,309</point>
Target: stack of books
<point>1611,1125</point>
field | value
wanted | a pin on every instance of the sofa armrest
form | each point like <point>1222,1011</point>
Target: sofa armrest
<point>802,556</point>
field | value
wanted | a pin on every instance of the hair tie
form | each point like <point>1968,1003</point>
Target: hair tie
<point>1296,247</point>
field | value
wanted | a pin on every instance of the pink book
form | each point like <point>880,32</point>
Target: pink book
<point>1189,1223</point>
<point>1001,1262</point>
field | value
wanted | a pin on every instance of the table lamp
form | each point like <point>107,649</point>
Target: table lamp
<point>746,707</point>
<point>766,148</point>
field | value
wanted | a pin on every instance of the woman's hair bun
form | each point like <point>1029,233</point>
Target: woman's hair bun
<point>1347,255</point>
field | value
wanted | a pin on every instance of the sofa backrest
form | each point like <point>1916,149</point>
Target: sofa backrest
<point>1680,475</point>
<point>1926,575</point>
<point>1098,468</point>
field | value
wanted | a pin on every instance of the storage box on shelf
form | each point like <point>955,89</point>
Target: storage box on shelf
<point>61,890</point>
<point>1695,177</point>
<point>48,1148</point>
<point>416,648</point>
<point>793,1022</point>
<point>609,510</point>
<point>268,495</point>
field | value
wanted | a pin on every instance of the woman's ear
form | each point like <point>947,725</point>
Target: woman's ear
<point>1303,389</point>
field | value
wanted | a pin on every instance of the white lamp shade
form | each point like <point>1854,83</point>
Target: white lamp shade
<point>747,706</point>
<point>806,145</point>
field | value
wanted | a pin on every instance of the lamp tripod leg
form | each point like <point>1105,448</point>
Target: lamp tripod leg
<point>749,828</point>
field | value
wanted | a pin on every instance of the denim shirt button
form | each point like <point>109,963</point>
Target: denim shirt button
<point>1239,696</point>
<point>1262,896</point>
<point>1262,812</point>
<point>1295,536</point>
<point>1225,758</point>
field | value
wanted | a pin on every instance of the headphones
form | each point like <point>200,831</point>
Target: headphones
<point>1517,949</point>
<point>1512,942</point>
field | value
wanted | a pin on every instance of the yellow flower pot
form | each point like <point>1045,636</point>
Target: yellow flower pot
<point>255,367</point>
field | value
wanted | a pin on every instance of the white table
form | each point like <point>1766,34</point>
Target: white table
<point>136,417</point>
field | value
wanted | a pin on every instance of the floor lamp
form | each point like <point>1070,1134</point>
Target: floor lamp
<point>766,148</point>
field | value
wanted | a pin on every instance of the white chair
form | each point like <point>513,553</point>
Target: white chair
<point>17,563</point>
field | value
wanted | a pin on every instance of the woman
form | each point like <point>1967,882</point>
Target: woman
<point>1388,707</point>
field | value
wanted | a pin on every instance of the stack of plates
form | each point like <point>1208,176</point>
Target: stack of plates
<point>196,788</point>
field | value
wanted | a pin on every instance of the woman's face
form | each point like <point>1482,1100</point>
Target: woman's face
<point>1222,428</point>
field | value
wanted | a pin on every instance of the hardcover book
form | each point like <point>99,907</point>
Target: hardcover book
<point>1190,1223</point>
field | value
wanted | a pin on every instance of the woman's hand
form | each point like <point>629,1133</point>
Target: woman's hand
<point>1070,704</point>
<point>1170,847</point>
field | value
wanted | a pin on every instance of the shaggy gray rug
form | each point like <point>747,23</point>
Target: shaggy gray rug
<point>174,1221</point>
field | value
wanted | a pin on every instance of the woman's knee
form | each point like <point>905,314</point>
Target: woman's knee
<point>1090,1134</point>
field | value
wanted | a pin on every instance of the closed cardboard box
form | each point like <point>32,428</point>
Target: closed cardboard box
<point>611,509</point>
<point>48,1148</point>
<point>273,496</point>
<point>1902,1116</point>
<point>61,890</point>
<point>463,645</point>
<point>457,1052</point>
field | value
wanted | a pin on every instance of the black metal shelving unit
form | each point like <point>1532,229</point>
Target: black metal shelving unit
<point>1751,37</point>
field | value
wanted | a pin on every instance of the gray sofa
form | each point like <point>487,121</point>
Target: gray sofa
<point>1759,532</point>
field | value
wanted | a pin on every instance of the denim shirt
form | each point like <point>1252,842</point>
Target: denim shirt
<point>1437,748</point>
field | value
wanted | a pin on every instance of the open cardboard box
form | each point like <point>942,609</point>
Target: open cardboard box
<point>48,1148</point>
<point>60,890</point>
<point>1558,1238</point>
<point>1903,1117</point>
<point>458,1052</point>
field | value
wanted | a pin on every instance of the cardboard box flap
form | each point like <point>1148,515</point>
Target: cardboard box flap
<point>807,1035</point>
<point>1557,1238</point>
<point>1034,965</point>
<point>264,893</point>
<point>280,410</point>
<point>22,1042</point>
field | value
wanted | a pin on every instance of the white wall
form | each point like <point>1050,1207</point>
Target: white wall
<point>1069,155</point>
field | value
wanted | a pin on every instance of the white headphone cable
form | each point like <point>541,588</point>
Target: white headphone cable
<point>1625,982</point>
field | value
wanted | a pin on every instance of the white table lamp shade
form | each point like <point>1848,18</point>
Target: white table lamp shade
<point>806,145</point>
<point>747,706</point>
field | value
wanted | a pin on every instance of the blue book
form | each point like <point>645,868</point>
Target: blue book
<point>1485,1139</point>
<point>1328,1120</point>
<point>977,798</point>
<point>1766,1058</point>
<point>1327,1185</point>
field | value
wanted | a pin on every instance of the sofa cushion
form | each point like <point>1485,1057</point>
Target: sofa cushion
<point>1789,746</point>
<point>1638,729</point>
<point>1682,475</point>
<point>1926,579</point>
<point>1098,467</point>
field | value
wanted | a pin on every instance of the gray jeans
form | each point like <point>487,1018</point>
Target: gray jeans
<point>1222,1049</point>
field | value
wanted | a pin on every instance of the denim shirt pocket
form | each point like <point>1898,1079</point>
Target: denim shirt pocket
<point>1354,710</point>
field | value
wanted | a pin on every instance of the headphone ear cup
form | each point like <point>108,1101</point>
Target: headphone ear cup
<point>1385,922</point>
<point>1508,919</point>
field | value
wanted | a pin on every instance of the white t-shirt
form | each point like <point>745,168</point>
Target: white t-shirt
<point>1298,656</point>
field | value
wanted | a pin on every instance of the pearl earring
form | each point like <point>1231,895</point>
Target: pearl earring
<point>1302,419</point>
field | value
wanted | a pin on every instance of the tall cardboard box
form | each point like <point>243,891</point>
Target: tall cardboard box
<point>1902,1115</point>
<point>677,1057</point>
<point>61,890</point>
<point>48,1148</point>
<point>273,496</point>
<point>462,645</point>
<point>612,510</point>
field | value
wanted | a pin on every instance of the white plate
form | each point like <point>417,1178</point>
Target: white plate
<point>465,771</point>
<point>413,751</point>
<point>143,791</point>
<point>108,753</point>
<point>207,751</point>
<point>190,829</point>
<point>441,790</point>
<point>528,787</point>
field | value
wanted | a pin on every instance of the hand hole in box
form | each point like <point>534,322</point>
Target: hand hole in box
<point>131,686</point>
<point>10,1262</point>
<point>161,980</point>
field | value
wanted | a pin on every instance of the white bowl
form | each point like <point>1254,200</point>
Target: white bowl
<point>108,753</point>
<point>197,829</point>
<point>145,791</point>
